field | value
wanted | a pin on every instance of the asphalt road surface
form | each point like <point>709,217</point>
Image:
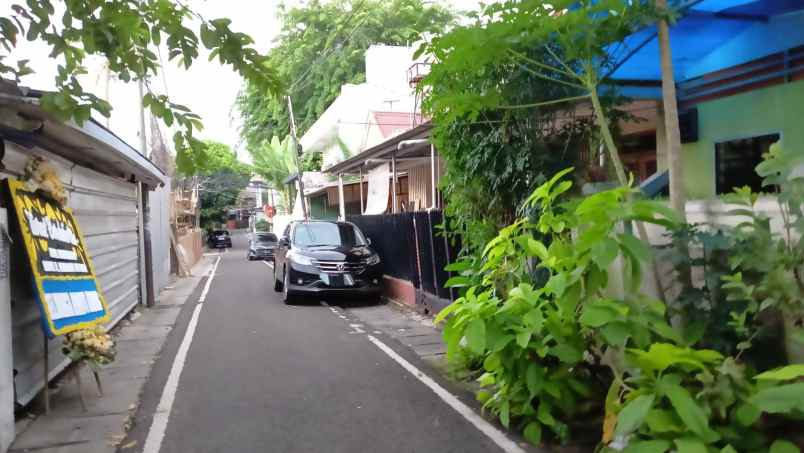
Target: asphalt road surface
<point>260,376</point>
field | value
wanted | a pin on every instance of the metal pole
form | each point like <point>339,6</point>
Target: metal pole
<point>46,389</point>
<point>141,260</point>
<point>433,203</point>
<point>143,144</point>
<point>362,207</point>
<point>341,202</point>
<point>393,183</point>
<point>419,296</point>
<point>150,295</point>
<point>297,153</point>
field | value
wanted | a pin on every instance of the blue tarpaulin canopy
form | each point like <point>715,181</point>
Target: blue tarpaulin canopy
<point>712,35</point>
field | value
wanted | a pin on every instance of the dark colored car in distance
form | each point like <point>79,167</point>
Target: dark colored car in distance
<point>325,258</point>
<point>218,239</point>
<point>261,246</point>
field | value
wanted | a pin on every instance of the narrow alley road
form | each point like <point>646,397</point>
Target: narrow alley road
<point>261,376</point>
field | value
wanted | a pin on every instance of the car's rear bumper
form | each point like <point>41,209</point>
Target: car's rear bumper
<point>261,256</point>
<point>369,290</point>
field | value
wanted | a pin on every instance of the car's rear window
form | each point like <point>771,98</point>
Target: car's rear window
<point>220,232</point>
<point>266,237</point>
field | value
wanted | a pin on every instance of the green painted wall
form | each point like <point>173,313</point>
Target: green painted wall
<point>319,209</point>
<point>777,109</point>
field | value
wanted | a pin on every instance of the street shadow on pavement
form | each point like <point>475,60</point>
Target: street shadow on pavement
<point>342,301</point>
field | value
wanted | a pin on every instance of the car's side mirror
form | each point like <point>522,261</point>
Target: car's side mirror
<point>284,242</point>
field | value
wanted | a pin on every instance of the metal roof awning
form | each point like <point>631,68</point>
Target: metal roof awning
<point>90,145</point>
<point>380,153</point>
<point>709,36</point>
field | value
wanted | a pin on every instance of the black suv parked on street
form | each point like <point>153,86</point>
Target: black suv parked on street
<point>217,239</point>
<point>318,257</point>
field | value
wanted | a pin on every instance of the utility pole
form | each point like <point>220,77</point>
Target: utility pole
<point>297,150</point>
<point>143,142</point>
<point>144,208</point>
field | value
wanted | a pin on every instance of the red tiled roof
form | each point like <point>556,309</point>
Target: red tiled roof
<point>394,123</point>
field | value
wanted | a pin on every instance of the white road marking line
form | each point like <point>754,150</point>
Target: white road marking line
<point>156,433</point>
<point>496,436</point>
<point>268,264</point>
<point>209,281</point>
<point>357,328</point>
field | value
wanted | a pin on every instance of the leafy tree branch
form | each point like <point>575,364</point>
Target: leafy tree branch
<point>123,33</point>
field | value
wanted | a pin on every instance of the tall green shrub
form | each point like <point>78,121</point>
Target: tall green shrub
<point>562,354</point>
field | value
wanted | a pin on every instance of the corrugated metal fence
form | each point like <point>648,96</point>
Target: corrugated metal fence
<point>412,248</point>
<point>106,209</point>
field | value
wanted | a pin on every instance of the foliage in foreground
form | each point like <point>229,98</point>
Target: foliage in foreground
<point>559,345</point>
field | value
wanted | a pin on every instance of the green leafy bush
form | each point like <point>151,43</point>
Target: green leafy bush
<point>564,353</point>
<point>543,336</point>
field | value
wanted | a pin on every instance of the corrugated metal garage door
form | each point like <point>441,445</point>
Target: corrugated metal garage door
<point>106,209</point>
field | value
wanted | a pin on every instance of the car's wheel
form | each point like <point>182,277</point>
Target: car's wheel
<point>286,297</point>
<point>277,283</point>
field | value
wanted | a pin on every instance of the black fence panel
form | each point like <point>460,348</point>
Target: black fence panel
<point>392,236</point>
<point>426,259</point>
<point>443,252</point>
<point>412,247</point>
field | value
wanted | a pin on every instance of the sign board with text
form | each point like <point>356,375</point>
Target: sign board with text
<point>64,279</point>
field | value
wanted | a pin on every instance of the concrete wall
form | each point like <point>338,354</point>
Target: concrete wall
<point>191,246</point>
<point>106,210</point>
<point>777,109</point>
<point>712,213</point>
<point>160,235</point>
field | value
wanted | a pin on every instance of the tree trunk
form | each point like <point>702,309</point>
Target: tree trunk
<point>607,137</point>
<point>678,198</point>
<point>618,168</point>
